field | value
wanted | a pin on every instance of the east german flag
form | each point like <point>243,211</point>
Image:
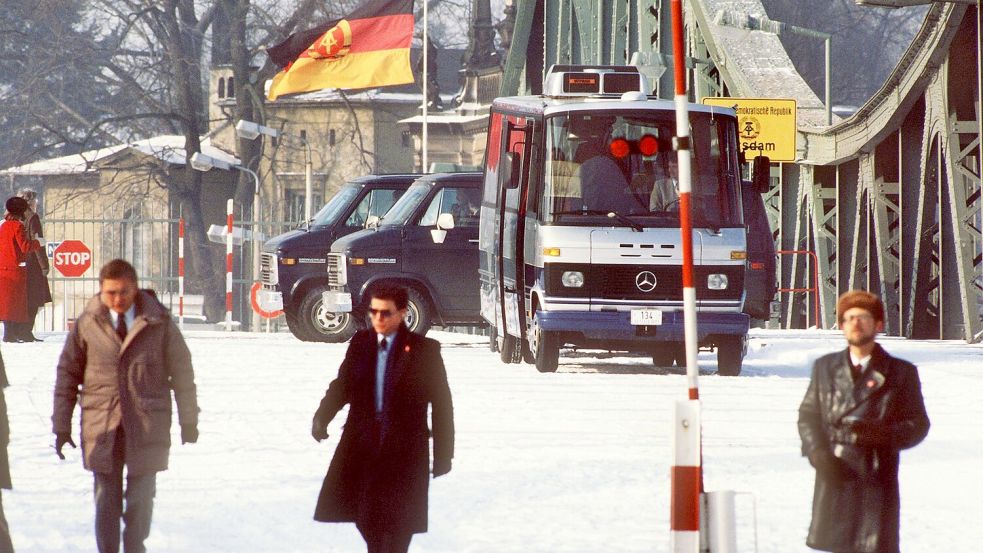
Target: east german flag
<point>368,48</point>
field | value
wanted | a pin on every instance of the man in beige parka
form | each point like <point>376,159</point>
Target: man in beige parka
<point>121,361</point>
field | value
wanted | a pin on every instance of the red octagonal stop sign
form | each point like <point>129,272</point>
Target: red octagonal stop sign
<point>72,258</point>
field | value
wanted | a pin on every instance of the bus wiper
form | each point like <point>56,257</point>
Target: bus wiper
<point>624,219</point>
<point>607,213</point>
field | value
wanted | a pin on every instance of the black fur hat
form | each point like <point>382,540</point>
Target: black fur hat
<point>16,206</point>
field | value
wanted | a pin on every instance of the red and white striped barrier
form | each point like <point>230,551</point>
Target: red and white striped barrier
<point>684,520</point>
<point>228,266</point>
<point>180,272</point>
<point>687,480</point>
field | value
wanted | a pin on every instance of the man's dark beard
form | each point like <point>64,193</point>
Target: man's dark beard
<point>863,341</point>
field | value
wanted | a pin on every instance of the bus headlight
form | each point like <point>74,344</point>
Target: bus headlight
<point>572,279</point>
<point>717,281</point>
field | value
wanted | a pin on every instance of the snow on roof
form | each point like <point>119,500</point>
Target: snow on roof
<point>166,148</point>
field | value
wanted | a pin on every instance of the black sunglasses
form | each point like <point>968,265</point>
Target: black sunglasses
<point>384,313</point>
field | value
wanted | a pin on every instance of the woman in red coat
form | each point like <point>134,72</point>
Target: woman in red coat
<point>15,246</point>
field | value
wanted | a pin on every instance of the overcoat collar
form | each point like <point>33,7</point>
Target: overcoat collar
<point>851,395</point>
<point>148,311</point>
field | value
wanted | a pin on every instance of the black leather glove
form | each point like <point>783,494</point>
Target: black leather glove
<point>62,438</point>
<point>319,430</point>
<point>441,467</point>
<point>871,434</point>
<point>829,466</point>
<point>189,433</point>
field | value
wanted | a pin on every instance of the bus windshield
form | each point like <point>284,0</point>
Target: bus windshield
<point>623,162</point>
<point>406,205</point>
<point>336,206</point>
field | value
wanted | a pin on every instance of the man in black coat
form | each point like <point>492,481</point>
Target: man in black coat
<point>861,408</point>
<point>379,475</point>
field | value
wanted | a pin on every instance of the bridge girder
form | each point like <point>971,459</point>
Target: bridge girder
<point>889,200</point>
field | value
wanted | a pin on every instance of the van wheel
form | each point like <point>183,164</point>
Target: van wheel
<point>545,347</point>
<point>417,312</point>
<point>317,324</point>
<point>293,324</point>
<point>730,355</point>
<point>509,352</point>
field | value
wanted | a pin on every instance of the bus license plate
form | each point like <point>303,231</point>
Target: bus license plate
<point>651,317</point>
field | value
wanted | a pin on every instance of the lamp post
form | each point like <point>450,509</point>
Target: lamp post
<point>753,23</point>
<point>250,131</point>
<point>202,162</point>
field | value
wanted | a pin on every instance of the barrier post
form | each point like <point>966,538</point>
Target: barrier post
<point>228,266</point>
<point>180,273</point>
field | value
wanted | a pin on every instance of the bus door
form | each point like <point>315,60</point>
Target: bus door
<point>512,190</point>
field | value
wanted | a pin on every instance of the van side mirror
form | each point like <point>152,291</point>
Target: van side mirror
<point>372,221</point>
<point>445,222</point>
<point>761,174</point>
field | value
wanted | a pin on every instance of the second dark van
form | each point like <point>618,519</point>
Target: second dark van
<point>427,242</point>
<point>293,265</point>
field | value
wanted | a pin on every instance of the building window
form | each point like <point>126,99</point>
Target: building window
<point>221,87</point>
<point>331,137</point>
<point>231,89</point>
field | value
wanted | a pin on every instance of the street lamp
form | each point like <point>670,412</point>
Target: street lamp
<point>752,23</point>
<point>250,131</point>
<point>202,162</point>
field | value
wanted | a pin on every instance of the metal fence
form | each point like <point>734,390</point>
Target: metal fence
<point>151,245</point>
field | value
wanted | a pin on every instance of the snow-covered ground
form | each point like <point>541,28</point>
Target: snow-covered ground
<point>576,461</point>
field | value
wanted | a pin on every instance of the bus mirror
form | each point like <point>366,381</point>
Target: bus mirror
<point>372,221</point>
<point>438,235</point>
<point>761,174</point>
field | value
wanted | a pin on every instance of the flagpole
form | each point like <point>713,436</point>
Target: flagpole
<point>426,79</point>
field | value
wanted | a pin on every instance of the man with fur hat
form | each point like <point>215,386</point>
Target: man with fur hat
<point>861,408</point>
<point>15,246</point>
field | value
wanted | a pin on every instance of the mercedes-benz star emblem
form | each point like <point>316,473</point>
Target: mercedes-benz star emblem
<point>645,281</point>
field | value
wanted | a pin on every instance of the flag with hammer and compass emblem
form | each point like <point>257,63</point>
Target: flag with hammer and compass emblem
<point>368,48</point>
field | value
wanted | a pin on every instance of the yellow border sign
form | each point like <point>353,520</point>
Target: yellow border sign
<point>765,126</point>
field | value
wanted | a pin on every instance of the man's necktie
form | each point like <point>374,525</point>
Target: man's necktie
<point>382,344</point>
<point>121,327</point>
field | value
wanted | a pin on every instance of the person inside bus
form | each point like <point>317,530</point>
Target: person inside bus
<point>665,188</point>
<point>603,185</point>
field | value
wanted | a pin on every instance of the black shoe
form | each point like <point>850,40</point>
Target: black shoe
<point>29,338</point>
<point>9,339</point>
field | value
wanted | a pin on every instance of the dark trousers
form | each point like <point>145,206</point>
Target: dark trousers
<point>109,497</point>
<point>386,542</point>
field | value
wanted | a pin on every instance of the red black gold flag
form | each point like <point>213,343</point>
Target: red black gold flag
<point>368,48</point>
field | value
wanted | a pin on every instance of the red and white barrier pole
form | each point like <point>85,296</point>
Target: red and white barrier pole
<point>684,520</point>
<point>687,479</point>
<point>180,273</point>
<point>228,266</point>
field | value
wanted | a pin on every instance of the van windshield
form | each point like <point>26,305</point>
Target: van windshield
<point>336,206</point>
<point>405,207</point>
<point>621,162</point>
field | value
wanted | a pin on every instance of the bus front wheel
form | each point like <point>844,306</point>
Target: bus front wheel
<point>545,346</point>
